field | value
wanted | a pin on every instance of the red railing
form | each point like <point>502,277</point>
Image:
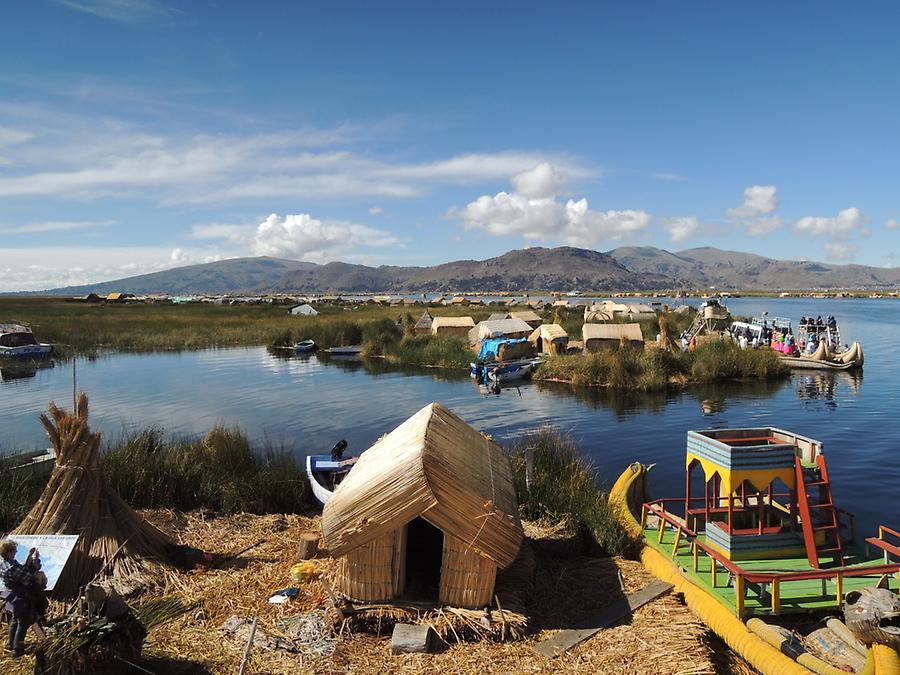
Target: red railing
<point>742,577</point>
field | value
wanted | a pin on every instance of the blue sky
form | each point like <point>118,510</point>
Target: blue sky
<point>137,135</point>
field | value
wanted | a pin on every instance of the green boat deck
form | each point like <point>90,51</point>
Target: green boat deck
<point>802,596</point>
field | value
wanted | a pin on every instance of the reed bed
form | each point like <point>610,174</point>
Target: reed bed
<point>19,490</point>
<point>220,472</point>
<point>656,369</point>
<point>565,490</point>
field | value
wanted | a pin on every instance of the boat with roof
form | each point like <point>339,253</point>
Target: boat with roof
<point>17,341</point>
<point>757,540</point>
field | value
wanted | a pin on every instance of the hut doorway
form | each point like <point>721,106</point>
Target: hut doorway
<point>424,554</point>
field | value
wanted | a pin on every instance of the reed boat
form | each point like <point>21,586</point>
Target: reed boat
<point>762,545</point>
<point>824,359</point>
<point>325,472</point>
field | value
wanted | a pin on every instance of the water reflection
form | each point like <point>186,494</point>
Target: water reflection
<point>827,386</point>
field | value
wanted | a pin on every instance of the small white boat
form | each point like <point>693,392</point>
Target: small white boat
<point>30,461</point>
<point>325,472</point>
<point>502,373</point>
<point>305,346</point>
<point>17,341</point>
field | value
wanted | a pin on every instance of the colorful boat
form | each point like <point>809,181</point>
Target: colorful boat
<point>305,346</point>
<point>762,541</point>
<point>17,341</point>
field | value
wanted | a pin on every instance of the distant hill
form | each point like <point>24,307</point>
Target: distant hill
<point>628,268</point>
<point>557,269</point>
<point>705,267</point>
<point>225,276</point>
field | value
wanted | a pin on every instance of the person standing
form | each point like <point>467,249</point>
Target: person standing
<point>19,580</point>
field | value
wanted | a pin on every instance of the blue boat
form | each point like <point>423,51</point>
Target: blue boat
<point>304,346</point>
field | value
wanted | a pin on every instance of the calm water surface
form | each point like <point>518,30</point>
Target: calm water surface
<point>306,404</point>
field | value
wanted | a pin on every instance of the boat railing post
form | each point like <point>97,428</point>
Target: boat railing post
<point>696,551</point>
<point>643,516</point>
<point>662,529</point>
<point>739,594</point>
<point>677,541</point>
<point>712,571</point>
<point>776,595</point>
<point>839,584</point>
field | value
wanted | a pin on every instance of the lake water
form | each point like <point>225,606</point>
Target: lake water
<point>306,404</point>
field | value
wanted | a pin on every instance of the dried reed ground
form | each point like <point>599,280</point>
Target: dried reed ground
<point>663,637</point>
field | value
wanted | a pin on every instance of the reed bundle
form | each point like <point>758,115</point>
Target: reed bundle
<point>116,543</point>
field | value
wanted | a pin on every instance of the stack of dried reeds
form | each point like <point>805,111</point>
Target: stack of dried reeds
<point>116,543</point>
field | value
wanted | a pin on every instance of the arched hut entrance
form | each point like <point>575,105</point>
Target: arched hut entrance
<point>433,477</point>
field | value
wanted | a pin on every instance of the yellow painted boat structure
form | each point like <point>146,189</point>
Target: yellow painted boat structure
<point>626,496</point>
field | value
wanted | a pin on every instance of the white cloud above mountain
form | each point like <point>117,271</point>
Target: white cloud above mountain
<point>682,228</point>
<point>758,199</point>
<point>845,223</point>
<point>534,212</point>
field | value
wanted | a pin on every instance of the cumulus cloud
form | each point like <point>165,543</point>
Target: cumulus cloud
<point>838,227</point>
<point>303,237</point>
<point>680,229</point>
<point>546,218</point>
<point>757,227</point>
<point>543,181</point>
<point>892,224</point>
<point>840,251</point>
<point>758,199</point>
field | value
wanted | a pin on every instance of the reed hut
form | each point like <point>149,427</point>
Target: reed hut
<point>452,325</point>
<point>549,338</point>
<point>428,513</point>
<point>599,335</point>
<point>530,317</point>
<point>423,325</point>
<point>507,328</point>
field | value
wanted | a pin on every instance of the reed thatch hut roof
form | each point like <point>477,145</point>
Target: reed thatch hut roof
<point>436,466</point>
<point>513,328</point>
<point>452,325</point>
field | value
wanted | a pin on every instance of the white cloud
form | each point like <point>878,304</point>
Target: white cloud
<point>41,268</point>
<point>892,224</point>
<point>123,11</point>
<point>680,229</point>
<point>758,199</point>
<point>757,227</point>
<point>375,210</point>
<point>838,227</point>
<point>840,251</point>
<point>544,180</point>
<point>55,226</point>
<point>545,218</point>
<point>10,136</point>
<point>303,237</point>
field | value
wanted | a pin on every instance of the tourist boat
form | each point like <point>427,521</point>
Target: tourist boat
<point>826,335</point>
<point>762,542</point>
<point>325,472</point>
<point>17,341</point>
<point>305,346</point>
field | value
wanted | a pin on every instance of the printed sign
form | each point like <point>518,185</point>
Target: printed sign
<point>54,550</point>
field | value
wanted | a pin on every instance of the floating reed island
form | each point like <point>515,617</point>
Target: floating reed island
<point>436,526</point>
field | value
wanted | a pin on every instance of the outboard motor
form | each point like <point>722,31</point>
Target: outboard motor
<point>337,452</point>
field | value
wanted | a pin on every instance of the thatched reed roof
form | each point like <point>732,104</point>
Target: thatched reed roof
<point>612,331</point>
<point>452,321</point>
<point>528,316</point>
<point>436,466</point>
<point>424,321</point>
<point>549,331</point>
<point>501,328</point>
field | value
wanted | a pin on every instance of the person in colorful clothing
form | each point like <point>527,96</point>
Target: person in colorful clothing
<point>20,583</point>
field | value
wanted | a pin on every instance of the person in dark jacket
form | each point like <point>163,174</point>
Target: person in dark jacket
<point>19,580</point>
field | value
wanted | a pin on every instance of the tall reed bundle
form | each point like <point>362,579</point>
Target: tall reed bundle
<point>116,542</point>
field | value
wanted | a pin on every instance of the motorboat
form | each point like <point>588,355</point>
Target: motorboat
<point>17,341</point>
<point>305,346</point>
<point>325,472</point>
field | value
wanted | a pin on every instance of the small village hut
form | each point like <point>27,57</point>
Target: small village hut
<point>452,325</point>
<point>303,310</point>
<point>423,325</point>
<point>429,512</point>
<point>549,338</point>
<point>508,328</point>
<point>598,335</point>
<point>530,317</point>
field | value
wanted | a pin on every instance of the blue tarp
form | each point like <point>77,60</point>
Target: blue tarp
<point>490,347</point>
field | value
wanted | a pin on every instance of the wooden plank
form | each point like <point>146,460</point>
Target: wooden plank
<point>566,639</point>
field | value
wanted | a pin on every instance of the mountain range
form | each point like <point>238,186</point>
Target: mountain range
<point>533,269</point>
